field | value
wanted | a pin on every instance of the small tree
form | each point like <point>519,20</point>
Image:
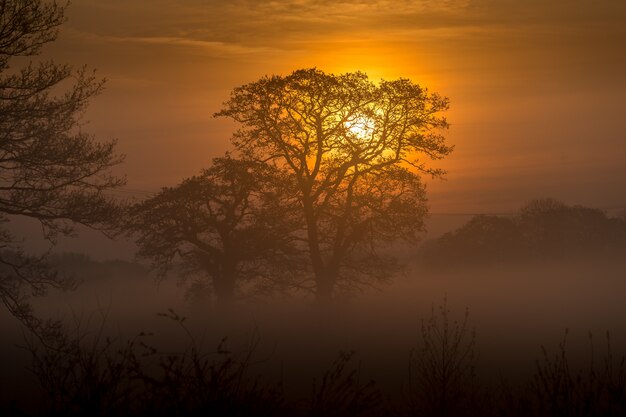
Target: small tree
<point>223,223</point>
<point>348,145</point>
<point>442,379</point>
<point>50,170</point>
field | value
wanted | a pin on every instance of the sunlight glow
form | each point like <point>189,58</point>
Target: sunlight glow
<point>361,127</point>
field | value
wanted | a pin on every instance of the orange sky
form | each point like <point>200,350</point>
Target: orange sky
<point>537,88</point>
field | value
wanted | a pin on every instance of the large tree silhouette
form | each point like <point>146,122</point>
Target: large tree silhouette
<point>224,225</point>
<point>355,151</point>
<point>50,170</point>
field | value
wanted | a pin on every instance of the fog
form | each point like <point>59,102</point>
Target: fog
<point>514,309</point>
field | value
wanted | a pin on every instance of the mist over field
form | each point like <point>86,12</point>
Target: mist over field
<point>513,308</point>
<point>505,306</point>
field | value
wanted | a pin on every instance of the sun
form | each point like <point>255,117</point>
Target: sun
<point>361,127</point>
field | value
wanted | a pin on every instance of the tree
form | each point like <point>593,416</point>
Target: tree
<point>556,229</point>
<point>542,229</point>
<point>223,224</point>
<point>484,239</point>
<point>442,377</point>
<point>349,146</point>
<point>50,170</point>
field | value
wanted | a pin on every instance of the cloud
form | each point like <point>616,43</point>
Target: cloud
<point>242,27</point>
<point>212,47</point>
<point>248,22</point>
<point>506,34</point>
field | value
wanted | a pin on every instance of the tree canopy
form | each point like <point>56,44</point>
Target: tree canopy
<point>544,228</point>
<point>355,151</point>
<point>223,227</point>
<point>50,169</point>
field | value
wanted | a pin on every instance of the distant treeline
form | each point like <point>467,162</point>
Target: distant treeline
<point>542,229</point>
<point>85,268</point>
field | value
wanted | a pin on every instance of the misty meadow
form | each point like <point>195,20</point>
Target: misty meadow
<point>332,239</point>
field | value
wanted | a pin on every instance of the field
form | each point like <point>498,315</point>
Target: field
<point>514,310</point>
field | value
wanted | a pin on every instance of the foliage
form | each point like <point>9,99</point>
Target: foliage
<point>542,229</point>
<point>85,373</point>
<point>596,391</point>
<point>561,387</point>
<point>223,224</point>
<point>555,229</point>
<point>481,239</point>
<point>442,379</point>
<point>93,375</point>
<point>50,170</point>
<point>340,393</point>
<point>348,145</point>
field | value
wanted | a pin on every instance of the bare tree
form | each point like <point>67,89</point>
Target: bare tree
<point>50,170</point>
<point>442,378</point>
<point>224,224</point>
<point>354,150</point>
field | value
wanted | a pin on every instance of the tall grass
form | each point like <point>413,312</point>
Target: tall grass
<point>442,377</point>
<point>558,388</point>
<point>82,372</point>
<point>98,376</point>
<point>342,393</point>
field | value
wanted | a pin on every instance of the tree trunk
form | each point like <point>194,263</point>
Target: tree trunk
<point>224,289</point>
<point>224,283</point>
<point>325,280</point>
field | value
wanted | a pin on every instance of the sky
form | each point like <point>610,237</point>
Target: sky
<point>537,88</point>
<point>538,109</point>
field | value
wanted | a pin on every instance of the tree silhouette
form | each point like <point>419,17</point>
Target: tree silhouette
<point>542,229</point>
<point>349,145</point>
<point>556,229</point>
<point>482,239</point>
<point>50,170</point>
<point>223,224</point>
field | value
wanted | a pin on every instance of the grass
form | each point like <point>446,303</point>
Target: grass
<point>85,373</point>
